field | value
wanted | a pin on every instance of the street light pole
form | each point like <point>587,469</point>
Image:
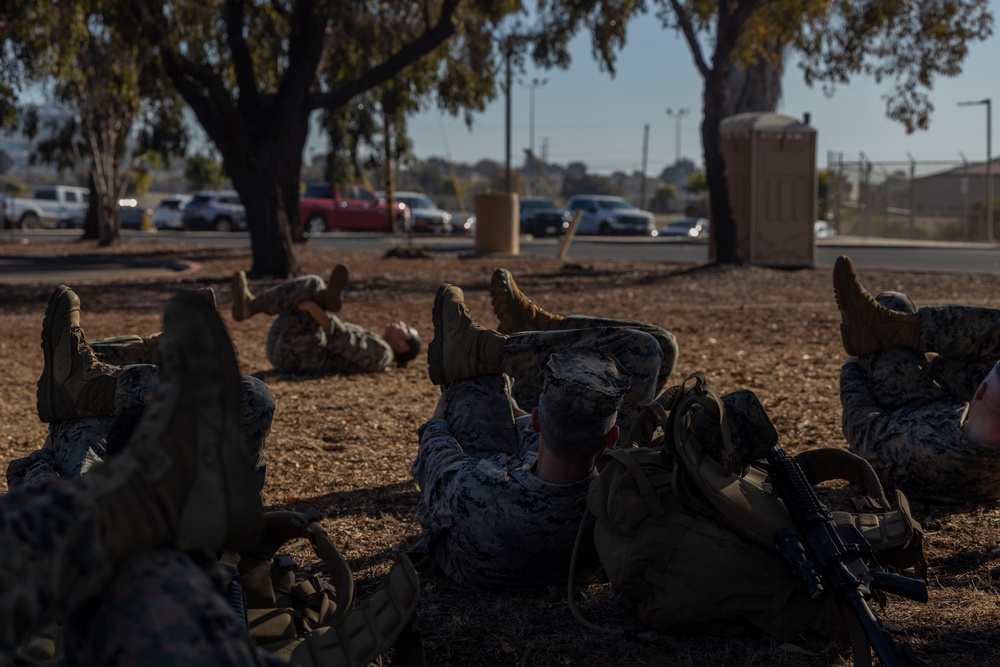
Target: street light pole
<point>535,83</point>
<point>678,114</point>
<point>989,162</point>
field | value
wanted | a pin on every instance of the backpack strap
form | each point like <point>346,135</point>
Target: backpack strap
<point>358,637</point>
<point>828,463</point>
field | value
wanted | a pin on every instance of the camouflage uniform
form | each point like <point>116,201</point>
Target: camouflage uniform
<point>904,411</point>
<point>79,443</point>
<point>297,344</point>
<point>159,607</point>
<point>127,350</point>
<point>487,520</point>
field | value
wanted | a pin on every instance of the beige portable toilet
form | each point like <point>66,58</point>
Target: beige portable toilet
<point>771,172</point>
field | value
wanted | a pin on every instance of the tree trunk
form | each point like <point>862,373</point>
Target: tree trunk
<point>92,221</point>
<point>264,201</point>
<point>723,235</point>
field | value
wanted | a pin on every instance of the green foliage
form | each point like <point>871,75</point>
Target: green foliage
<point>203,172</point>
<point>578,182</point>
<point>12,187</point>
<point>697,183</point>
<point>664,198</point>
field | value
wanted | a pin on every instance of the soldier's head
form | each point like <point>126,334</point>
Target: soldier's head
<point>404,341</point>
<point>579,404</point>
<point>983,421</point>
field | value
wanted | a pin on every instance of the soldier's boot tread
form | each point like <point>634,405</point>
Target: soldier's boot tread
<point>335,288</point>
<point>243,298</point>
<point>516,312</point>
<point>866,325</point>
<point>461,347</point>
<point>74,383</point>
<point>185,478</point>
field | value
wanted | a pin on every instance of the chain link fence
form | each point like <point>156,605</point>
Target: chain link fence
<point>924,200</point>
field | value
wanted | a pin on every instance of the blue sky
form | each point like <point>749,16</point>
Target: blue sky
<point>588,116</point>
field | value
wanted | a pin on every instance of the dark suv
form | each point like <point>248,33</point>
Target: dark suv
<point>541,217</point>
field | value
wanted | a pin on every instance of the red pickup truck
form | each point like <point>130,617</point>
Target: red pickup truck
<point>352,207</point>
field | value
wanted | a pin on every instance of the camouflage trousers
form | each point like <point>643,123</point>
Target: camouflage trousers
<point>159,607</point>
<point>80,443</point>
<point>478,409</point>
<point>958,347</point>
<point>296,343</point>
<point>127,350</point>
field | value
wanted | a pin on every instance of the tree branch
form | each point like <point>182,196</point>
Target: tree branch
<point>242,61</point>
<point>428,40</point>
<point>687,28</point>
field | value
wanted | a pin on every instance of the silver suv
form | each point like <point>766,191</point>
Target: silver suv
<point>216,210</point>
<point>604,214</point>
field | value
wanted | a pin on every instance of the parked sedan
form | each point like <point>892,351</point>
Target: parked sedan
<point>168,214</point>
<point>133,216</point>
<point>541,217</point>
<point>604,214</point>
<point>425,216</point>
<point>688,229</point>
<point>219,211</point>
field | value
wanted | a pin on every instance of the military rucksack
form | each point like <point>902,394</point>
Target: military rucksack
<point>686,520</point>
<point>306,614</point>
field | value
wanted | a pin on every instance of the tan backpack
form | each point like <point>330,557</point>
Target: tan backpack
<point>686,520</point>
<point>306,614</point>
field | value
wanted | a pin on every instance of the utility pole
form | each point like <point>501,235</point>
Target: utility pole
<point>510,50</point>
<point>678,114</point>
<point>645,153</point>
<point>989,162</point>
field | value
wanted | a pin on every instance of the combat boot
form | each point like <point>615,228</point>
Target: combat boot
<point>335,287</point>
<point>461,348</point>
<point>185,479</point>
<point>515,311</point>
<point>866,325</point>
<point>73,383</point>
<point>243,298</point>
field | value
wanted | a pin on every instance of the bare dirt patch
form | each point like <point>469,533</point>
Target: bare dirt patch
<point>345,444</point>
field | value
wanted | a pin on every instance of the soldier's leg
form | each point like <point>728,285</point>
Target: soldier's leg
<point>296,344</point>
<point>353,349</point>
<point>282,298</point>
<point>127,350</point>
<point>899,376</point>
<point>960,331</point>
<point>480,416</point>
<point>159,608</point>
<point>524,357</point>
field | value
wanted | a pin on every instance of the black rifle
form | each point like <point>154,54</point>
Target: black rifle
<point>824,555</point>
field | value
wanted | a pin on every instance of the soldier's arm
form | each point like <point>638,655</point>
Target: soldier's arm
<point>361,347</point>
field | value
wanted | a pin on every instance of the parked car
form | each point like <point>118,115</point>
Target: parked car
<point>168,214</point>
<point>463,224</point>
<point>541,217</point>
<point>352,207</point>
<point>217,210</point>
<point>133,216</point>
<point>425,216</point>
<point>823,230</point>
<point>686,229</point>
<point>51,206</point>
<point>604,214</point>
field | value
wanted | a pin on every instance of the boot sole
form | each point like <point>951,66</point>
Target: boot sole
<point>500,297</point>
<point>335,286</point>
<point>843,277</point>
<point>45,395</point>
<point>239,497</point>
<point>435,351</point>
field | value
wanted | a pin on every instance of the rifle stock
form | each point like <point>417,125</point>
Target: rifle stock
<point>822,560</point>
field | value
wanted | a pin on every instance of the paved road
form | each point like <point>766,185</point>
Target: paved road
<point>868,253</point>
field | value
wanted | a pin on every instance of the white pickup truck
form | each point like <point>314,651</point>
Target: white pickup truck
<point>60,206</point>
